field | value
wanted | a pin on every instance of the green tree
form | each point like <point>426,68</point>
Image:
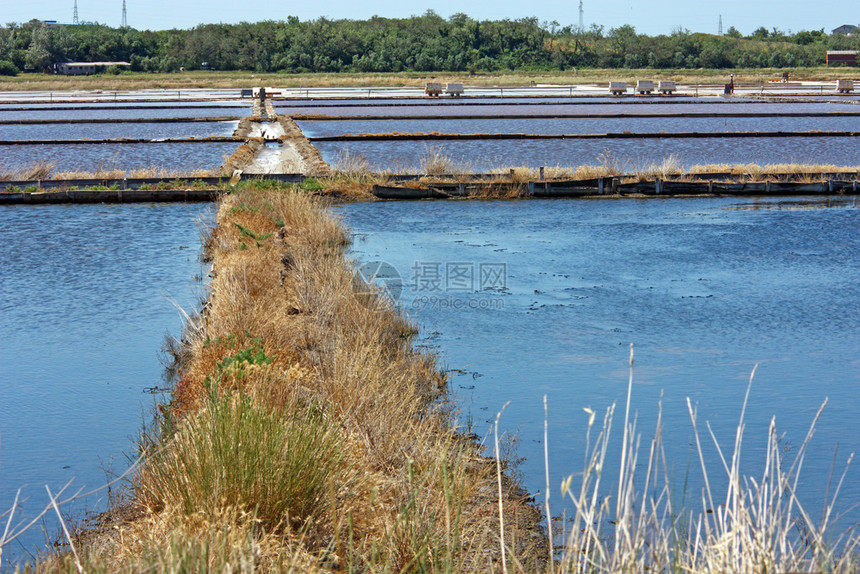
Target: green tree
<point>39,52</point>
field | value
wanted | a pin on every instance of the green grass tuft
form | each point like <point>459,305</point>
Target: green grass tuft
<point>237,454</point>
<point>251,233</point>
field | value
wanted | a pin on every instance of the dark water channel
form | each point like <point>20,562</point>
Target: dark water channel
<point>526,299</point>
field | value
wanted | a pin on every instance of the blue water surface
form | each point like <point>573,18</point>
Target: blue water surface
<point>87,295</point>
<point>704,288</point>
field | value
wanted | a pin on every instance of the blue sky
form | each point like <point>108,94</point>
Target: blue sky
<point>650,17</point>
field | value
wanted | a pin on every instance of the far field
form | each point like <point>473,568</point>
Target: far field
<point>247,79</point>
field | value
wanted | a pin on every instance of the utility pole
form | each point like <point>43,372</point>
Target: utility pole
<point>124,19</point>
<point>75,13</point>
<point>581,21</point>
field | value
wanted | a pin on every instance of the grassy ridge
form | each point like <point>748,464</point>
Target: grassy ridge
<point>305,432</point>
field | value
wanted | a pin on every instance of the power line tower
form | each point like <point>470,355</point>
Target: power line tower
<point>75,13</point>
<point>720,29</point>
<point>581,20</point>
<point>124,18</point>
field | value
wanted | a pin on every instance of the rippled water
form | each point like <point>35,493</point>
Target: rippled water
<point>631,154</point>
<point>122,113</point>
<point>89,157</point>
<point>29,132</point>
<point>87,293</point>
<point>704,288</point>
<point>581,125</point>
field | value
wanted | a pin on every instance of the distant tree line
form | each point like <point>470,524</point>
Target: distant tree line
<point>427,43</point>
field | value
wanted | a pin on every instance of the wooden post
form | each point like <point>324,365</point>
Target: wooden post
<point>658,186</point>
<point>531,188</point>
<point>600,186</point>
<point>541,172</point>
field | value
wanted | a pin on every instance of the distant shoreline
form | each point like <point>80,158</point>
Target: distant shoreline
<point>522,78</point>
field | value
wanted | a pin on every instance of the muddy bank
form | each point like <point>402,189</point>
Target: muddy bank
<point>110,196</point>
<point>609,187</point>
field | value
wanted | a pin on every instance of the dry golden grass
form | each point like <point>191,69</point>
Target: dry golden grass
<point>34,171</point>
<point>244,79</point>
<point>434,161</point>
<point>751,172</point>
<point>146,542</point>
<point>756,525</point>
<point>144,172</point>
<point>288,330</point>
<point>669,167</point>
<point>44,170</point>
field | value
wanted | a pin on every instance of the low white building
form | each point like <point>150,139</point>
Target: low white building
<point>85,68</point>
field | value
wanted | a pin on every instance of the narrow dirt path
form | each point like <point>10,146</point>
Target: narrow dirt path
<point>277,158</point>
<point>280,147</point>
